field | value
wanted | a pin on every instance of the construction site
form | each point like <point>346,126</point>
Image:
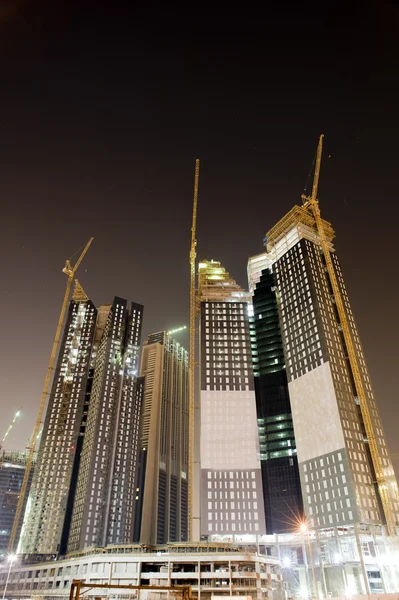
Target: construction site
<point>333,554</point>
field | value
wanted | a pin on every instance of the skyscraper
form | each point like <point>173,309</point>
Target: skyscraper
<point>47,505</point>
<point>12,471</point>
<point>280,473</point>
<point>231,480</point>
<point>336,468</point>
<point>162,492</point>
<point>102,511</point>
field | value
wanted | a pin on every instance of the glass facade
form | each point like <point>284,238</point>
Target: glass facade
<point>12,471</point>
<point>279,463</point>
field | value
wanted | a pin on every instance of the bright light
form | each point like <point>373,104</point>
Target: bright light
<point>11,558</point>
<point>172,331</point>
<point>286,562</point>
<point>337,558</point>
<point>303,528</point>
<point>304,592</point>
<point>350,590</point>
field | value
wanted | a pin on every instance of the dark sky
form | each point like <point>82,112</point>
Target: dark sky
<point>104,108</point>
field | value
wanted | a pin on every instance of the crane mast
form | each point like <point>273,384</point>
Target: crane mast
<point>313,203</point>
<point>191,376</point>
<point>70,272</point>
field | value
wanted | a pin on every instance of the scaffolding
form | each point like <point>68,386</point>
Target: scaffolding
<point>78,585</point>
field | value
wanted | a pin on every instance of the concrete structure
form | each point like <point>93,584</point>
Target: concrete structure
<point>45,516</point>
<point>343,561</point>
<point>103,506</point>
<point>336,470</point>
<point>12,471</point>
<point>231,481</point>
<point>161,497</point>
<point>214,570</point>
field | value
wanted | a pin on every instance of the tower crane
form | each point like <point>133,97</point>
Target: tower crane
<point>177,330</point>
<point>311,202</point>
<point>191,377</point>
<point>69,271</point>
<point>9,428</point>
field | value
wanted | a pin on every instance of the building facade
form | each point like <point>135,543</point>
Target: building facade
<point>45,516</point>
<point>231,480</point>
<point>279,462</point>
<point>215,570</point>
<point>336,470</point>
<point>103,506</point>
<point>344,562</point>
<point>162,491</point>
<point>12,471</point>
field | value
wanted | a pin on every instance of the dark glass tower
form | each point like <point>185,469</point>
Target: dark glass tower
<point>12,471</point>
<point>279,462</point>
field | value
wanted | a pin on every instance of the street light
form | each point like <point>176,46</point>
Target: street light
<point>286,562</point>
<point>11,558</point>
<point>305,530</point>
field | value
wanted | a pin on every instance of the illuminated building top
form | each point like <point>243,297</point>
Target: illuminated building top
<point>215,283</point>
<point>298,223</point>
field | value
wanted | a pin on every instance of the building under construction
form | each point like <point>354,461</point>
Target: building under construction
<point>162,491</point>
<point>12,470</point>
<point>323,437</point>
<point>210,570</point>
<point>231,482</point>
<point>346,474</point>
<point>84,485</point>
<point>53,484</point>
<point>102,510</point>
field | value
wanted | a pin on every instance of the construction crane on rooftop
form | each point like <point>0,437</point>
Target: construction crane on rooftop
<point>70,272</point>
<point>191,367</point>
<point>9,428</point>
<point>312,203</point>
<point>177,330</point>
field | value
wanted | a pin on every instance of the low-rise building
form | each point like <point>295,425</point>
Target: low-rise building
<point>211,569</point>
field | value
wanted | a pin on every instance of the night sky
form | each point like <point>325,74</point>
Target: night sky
<point>104,108</point>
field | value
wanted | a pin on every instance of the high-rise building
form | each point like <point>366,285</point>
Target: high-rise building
<point>280,473</point>
<point>162,492</point>
<point>337,475</point>
<point>231,480</point>
<point>46,510</point>
<point>103,506</point>
<point>12,471</point>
